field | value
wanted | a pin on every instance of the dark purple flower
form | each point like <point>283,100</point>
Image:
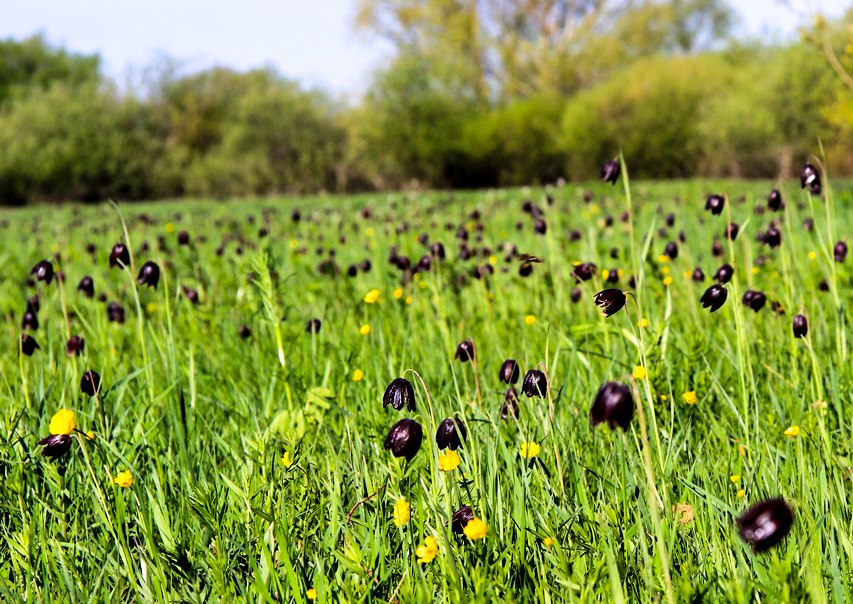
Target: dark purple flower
<point>149,274</point>
<point>75,346</point>
<point>698,275</point>
<point>28,344</point>
<point>43,271</point>
<point>671,250</point>
<point>715,204</point>
<point>610,171</point>
<point>509,372</point>
<point>773,237</point>
<point>754,299</point>
<point>450,434</point>
<point>724,274</point>
<point>765,524</point>
<point>809,177</point>
<point>584,271</point>
<point>535,384</point>
<point>840,252</point>
<point>115,313</point>
<point>460,518</point>
<point>404,439</point>
<point>119,256</point>
<point>30,321</point>
<point>465,351</point>
<point>313,326</point>
<point>714,297</point>
<point>90,383</point>
<point>775,201</point>
<point>613,404</point>
<point>55,445</point>
<point>86,286</point>
<point>610,301</point>
<point>398,394</point>
<point>801,326</point>
<point>731,231</point>
<point>510,405</point>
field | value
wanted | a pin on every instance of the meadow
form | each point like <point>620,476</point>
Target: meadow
<point>234,449</point>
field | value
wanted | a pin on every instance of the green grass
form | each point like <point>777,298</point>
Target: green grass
<point>202,418</point>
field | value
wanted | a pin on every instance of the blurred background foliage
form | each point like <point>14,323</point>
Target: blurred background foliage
<point>477,94</point>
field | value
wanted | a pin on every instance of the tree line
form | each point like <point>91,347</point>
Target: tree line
<point>478,94</point>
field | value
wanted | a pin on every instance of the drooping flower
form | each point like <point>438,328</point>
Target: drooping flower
<point>43,271</point>
<point>450,434</point>
<point>766,523</point>
<point>535,384</point>
<point>610,171</point>
<point>465,351</point>
<point>724,273</point>
<point>610,301</point>
<point>404,439</point>
<point>399,393</point>
<point>613,404</point>
<point>801,326</point>
<point>774,201</point>
<point>149,274</point>
<point>28,344</point>
<point>715,204</point>
<point>509,372</point>
<point>90,383</point>
<point>754,299</point>
<point>119,256</point>
<point>55,445</point>
<point>809,177</point>
<point>460,518</point>
<point>714,297</point>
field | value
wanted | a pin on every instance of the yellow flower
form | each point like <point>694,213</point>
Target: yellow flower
<point>493,260</point>
<point>755,270</point>
<point>643,323</point>
<point>475,529</point>
<point>548,541</point>
<point>792,431</point>
<point>294,244</point>
<point>124,479</point>
<point>287,459</point>
<point>663,258</point>
<point>530,450</point>
<point>408,299</point>
<point>311,594</point>
<point>62,422</point>
<point>151,307</point>
<point>170,228</point>
<point>812,256</point>
<point>690,397</point>
<point>90,435</point>
<point>741,493</point>
<point>604,274</point>
<point>667,281</point>
<point>735,478</point>
<point>398,293</point>
<point>664,270</point>
<point>372,296</point>
<point>357,375</point>
<point>664,397</point>
<point>402,512</point>
<point>449,461</point>
<point>742,450</point>
<point>640,372</point>
<point>529,319</point>
<point>364,329</point>
<point>427,551</point>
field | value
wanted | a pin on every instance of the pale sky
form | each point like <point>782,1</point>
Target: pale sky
<point>312,41</point>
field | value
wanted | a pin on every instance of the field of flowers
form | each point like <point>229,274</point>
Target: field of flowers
<point>609,392</point>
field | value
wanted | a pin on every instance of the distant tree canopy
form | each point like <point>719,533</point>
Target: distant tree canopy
<point>478,94</point>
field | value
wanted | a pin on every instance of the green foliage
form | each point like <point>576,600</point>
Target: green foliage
<point>204,419</point>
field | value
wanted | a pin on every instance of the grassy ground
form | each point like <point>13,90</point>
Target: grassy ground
<point>205,420</point>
